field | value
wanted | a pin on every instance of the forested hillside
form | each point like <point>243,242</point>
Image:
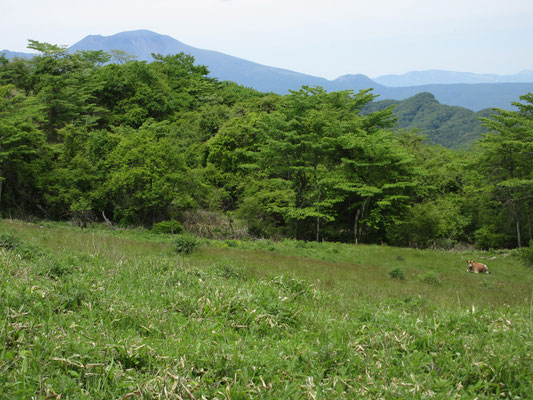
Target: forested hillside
<point>150,142</point>
<point>451,126</point>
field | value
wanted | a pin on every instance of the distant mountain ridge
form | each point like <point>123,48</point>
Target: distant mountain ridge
<point>415,78</point>
<point>12,54</point>
<point>142,43</point>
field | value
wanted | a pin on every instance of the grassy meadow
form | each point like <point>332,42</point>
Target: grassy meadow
<point>100,314</point>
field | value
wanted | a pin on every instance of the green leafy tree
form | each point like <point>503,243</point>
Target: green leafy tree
<point>121,56</point>
<point>231,153</point>
<point>442,212</point>
<point>78,174</point>
<point>378,178</point>
<point>146,178</point>
<point>305,146</point>
<point>23,154</point>
<point>505,163</point>
<point>61,83</point>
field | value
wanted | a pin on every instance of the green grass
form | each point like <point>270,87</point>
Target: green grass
<point>117,315</point>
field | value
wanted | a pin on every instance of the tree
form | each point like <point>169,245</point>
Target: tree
<point>505,162</point>
<point>379,176</point>
<point>312,150</point>
<point>60,81</point>
<point>147,178</point>
<point>298,146</point>
<point>23,152</point>
<point>121,56</point>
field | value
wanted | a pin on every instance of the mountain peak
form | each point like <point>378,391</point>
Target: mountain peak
<point>141,43</point>
<point>139,32</point>
<point>121,35</point>
<point>353,77</point>
<point>354,81</point>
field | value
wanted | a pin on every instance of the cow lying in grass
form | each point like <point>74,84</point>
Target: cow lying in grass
<point>476,267</point>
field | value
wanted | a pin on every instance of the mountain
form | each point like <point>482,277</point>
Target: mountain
<point>12,54</point>
<point>475,97</point>
<point>415,78</point>
<point>142,43</point>
<point>450,126</point>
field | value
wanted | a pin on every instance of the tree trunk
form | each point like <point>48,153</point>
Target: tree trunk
<point>317,206</point>
<point>518,238</point>
<point>529,222</point>
<point>517,219</point>
<point>108,222</point>
<point>355,222</point>
<point>357,229</point>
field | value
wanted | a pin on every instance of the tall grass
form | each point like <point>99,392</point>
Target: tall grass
<point>128,318</point>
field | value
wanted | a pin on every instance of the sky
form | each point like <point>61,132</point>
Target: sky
<point>322,38</point>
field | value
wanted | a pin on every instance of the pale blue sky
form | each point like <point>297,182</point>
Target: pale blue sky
<point>322,38</point>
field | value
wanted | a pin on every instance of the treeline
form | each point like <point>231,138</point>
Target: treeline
<point>149,142</point>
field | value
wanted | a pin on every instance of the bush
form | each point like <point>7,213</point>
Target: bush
<point>526,255</point>
<point>16,245</point>
<point>9,242</point>
<point>431,278</point>
<point>170,226</point>
<point>186,243</point>
<point>486,239</point>
<point>445,243</point>
<point>396,273</point>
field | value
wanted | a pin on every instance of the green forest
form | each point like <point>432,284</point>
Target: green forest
<point>451,126</point>
<point>147,144</point>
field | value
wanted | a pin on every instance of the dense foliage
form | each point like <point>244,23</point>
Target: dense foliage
<point>143,143</point>
<point>451,126</point>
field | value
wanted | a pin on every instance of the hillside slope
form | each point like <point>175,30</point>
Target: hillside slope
<point>100,315</point>
<point>451,126</point>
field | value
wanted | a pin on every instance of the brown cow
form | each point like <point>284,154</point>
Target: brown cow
<point>476,267</point>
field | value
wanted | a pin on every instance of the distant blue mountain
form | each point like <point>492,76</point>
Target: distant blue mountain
<point>142,43</point>
<point>12,54</point>
<point>475,97</point>
<point>415,78</point>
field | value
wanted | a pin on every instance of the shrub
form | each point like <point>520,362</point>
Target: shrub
<point>16,245</point>
<point>431,278</point>
<point>396,273</point>
<point>8,242</point>
<point>526,255</point>
<point>186,243</point>
<point>487,239</point>
<point>445,243</point>
<point>170,226</point>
